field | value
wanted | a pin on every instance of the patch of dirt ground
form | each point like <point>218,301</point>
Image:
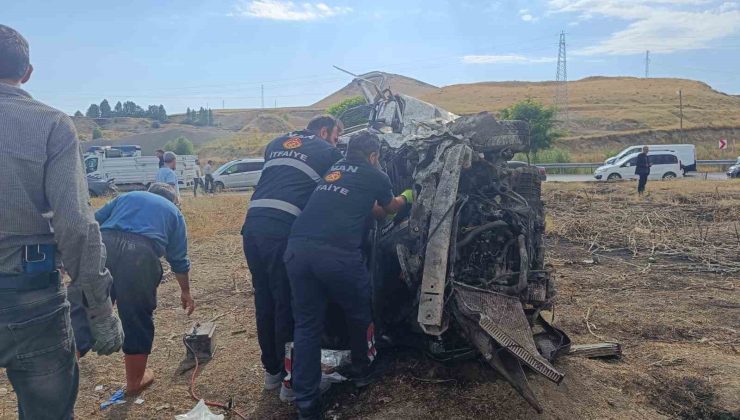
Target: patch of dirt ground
<point>676,318</point>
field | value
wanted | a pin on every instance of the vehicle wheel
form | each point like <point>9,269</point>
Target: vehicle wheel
<point>614,177</point>
<point>218,187</point>
<point>669,175</point>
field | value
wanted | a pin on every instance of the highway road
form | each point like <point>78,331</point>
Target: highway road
<point>713,176</point>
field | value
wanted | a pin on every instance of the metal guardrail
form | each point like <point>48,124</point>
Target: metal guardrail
<point>718,162</point>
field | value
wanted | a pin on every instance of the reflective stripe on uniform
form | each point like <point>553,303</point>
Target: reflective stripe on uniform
<point>301,166</point>
<point>276,204</point>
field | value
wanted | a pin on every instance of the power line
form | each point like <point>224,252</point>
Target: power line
<point>561,81</point>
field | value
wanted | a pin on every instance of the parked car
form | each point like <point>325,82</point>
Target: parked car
<point>238,174</point>
<point>686,154</point>
<point>98,187</point>
<point>125,150</point>
<point>734,170</point>
<point>513,164</point>
<point>664,165</point>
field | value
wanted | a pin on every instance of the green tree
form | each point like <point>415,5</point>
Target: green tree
<point>78,114</point>
<point>180,145</point>
<point>210,116</point>
<point>118,109</point>
<point>97,133</point>
<point>350,119</point>
<point>541,121</point>
<point>105,110</point>
<point>162,115</point>
<point>93,111</point>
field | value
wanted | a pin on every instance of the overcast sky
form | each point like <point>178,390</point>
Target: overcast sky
<point>219,52</point>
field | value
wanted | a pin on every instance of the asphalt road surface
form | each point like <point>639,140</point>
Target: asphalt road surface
<point>714,176</point>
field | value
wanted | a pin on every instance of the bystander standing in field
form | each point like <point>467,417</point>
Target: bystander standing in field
<point>642,169</point>
<point>208,171</point>
<point>198,180</point>
<point>45,213</point>
<point>138,228</point>
<point>167,175</point>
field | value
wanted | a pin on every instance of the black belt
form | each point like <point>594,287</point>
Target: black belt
<point>28,281</point>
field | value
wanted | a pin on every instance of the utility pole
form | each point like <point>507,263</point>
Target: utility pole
<point>647,64</point>
<point>223,104</point>
<point>263,96</point>
<point>680,112</point>
<point>561,83</point>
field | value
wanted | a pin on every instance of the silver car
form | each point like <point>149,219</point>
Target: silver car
<point>238,174</point>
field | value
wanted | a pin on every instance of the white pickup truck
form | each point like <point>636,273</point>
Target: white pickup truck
<point>136,172</point>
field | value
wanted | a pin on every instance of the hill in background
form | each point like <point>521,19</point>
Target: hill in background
<point>605,114</point>
<point>397,84</point>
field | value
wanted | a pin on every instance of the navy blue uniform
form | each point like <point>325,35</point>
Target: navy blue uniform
<point>293,166</point>
<point>324,261</point>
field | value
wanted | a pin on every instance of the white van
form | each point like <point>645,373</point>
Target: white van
<point>237,174</point>
<point>136,172</point>
<point>686,154</point>
<point>664,165</point>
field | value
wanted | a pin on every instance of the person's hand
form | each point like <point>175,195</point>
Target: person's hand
<point>187,302</point>
<point>107,333</point>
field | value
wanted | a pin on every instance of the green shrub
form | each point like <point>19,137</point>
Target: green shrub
<point>97,133</point>
<point>180,145</point>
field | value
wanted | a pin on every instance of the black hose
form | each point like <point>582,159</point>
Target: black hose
<point>498,224</point>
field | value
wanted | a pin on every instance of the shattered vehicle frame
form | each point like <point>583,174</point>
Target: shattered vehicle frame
<point>461,273</point>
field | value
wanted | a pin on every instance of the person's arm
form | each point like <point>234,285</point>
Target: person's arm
<point>77,234</point>
<point>75,230</point>
<point>177,255</point>
<point>105,212</point>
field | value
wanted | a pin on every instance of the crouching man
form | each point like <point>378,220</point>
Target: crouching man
<point>138,228</point>
<point>324,261</point>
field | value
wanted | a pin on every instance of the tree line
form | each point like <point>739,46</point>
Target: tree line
<point>200,117</point>
<point>125,109</point>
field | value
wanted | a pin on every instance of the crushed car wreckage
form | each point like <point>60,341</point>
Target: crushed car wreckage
<point>461,273</point>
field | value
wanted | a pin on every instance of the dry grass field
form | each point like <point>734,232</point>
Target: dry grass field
<point>659,275</point>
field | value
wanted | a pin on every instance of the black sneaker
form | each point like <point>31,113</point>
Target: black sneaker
<point>362,376</point>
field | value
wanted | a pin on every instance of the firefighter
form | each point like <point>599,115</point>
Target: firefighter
<point>44,213</point>
<point>293,164</point>
<point>324,262</point>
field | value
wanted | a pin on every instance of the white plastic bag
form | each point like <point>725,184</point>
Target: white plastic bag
<point>200,412</point>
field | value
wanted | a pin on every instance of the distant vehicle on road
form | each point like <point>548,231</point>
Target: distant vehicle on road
<point>126,150</point>
<point>686,154</point>
<point>136,172</point>
<point>734,170</point>
<point>513,164</point>
<point>98,187</point>
<point>238,174</point>
<point>663,165</point>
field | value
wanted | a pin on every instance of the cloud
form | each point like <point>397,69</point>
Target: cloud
<point>287,10</point>
<point>526,16</point>
<point>661,26</point>
<point>504,59</point>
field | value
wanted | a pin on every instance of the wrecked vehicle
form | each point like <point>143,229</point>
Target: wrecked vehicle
<point>461,273</point>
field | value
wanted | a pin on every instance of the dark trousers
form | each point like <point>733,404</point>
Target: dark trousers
<point>271,297</point>
<point>641,183</point>
<point>209,183</point>
<point>196,182</point>
<point>38,352</point>
<point>319,272</point>
<point>136,272</point>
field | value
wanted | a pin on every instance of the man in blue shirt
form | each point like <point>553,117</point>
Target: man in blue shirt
<point>324,261</point>
<point>167,175</point>
<point>138,228</point>
<point>293,166</point>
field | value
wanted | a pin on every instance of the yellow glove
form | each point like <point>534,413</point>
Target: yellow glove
<point>408,195</point>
